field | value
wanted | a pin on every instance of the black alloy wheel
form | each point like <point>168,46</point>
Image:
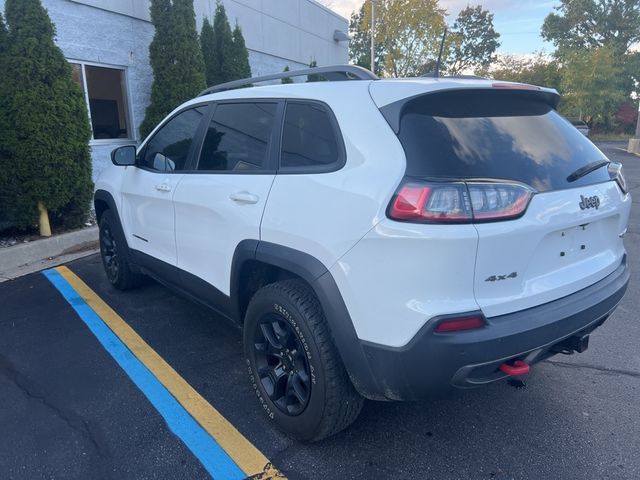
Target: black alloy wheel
<point>281,363</point>
<point>109,250</point>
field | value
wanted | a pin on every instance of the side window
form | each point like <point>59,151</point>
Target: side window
<point>238,137</point>
<point>168,149</point>
<point>309,139</point>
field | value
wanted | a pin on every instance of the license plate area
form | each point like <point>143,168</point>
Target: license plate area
<point>582,241</point>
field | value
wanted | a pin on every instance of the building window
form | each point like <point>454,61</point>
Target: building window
<point>105,91</point>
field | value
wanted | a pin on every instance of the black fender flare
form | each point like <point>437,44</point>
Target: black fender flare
<point>104,196</point>
<point>319,278</point>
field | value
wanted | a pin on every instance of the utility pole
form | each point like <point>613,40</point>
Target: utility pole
<point>634,143</point>
<point>373,36</point>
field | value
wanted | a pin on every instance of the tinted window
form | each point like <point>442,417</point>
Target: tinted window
<point>168,150</point>
<point>494,135</point>
<point>238,137</point>
<point>308,139</point>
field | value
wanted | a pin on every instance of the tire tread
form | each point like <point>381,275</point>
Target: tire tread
<point>343,403</point>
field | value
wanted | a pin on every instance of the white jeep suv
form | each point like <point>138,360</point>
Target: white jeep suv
<point>381,239</point>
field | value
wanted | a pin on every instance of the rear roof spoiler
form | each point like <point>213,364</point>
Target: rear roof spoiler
<point>393,111</point>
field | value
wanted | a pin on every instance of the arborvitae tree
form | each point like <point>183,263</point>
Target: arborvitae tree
<point>224,50</point>
<point>208,45</point>
<point>225,53</point>
<point>47,144</point>
<point>3,34</point>
<point>176,59</point>
<point>240,55</point>
<point>4,124</point>
<point>314,77</point>
<point>286,79</point>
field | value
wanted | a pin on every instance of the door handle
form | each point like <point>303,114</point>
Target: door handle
<point>244,197</point>
<point>163,187</point>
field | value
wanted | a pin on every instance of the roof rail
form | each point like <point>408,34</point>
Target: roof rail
<point>332,73</point>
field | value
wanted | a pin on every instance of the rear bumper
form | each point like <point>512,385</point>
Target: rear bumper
<point>434,362</point>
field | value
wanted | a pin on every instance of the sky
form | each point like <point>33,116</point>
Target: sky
<point>517,21</point>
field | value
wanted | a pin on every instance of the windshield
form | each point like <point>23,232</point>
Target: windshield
<point>501,135</point>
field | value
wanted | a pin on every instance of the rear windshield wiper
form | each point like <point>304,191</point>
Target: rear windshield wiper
<point>586,169</point>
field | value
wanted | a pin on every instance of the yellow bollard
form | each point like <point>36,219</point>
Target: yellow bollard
<point>43,221</point>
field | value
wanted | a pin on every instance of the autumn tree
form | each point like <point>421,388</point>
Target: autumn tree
<point>360,42</point>
<point>409,32</point>
<point>585,24</point>
<point>540,69</point>
<point>472,41</point>
<point>592,86</point>
<point>586,32</point>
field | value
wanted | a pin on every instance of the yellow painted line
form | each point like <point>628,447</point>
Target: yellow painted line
<point>242,451</point>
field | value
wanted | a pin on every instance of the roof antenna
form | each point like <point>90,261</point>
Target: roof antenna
<point>436,73</point>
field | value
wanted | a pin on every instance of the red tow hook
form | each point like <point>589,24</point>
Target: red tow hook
<point>516,368</point>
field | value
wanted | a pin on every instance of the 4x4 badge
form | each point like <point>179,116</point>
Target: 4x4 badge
<point>495,278</point>
<point>589,202</point>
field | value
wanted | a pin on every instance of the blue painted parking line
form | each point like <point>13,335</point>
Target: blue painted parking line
<point>213,458</point>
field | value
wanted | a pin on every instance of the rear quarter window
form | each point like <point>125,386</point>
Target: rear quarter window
<point>311,141</point>
<point>494,134</point>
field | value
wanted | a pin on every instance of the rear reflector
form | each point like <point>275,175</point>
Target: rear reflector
<point>458,202</point>
<point>460,324</point>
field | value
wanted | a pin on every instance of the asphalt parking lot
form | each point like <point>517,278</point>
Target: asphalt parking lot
<point>68,410</point>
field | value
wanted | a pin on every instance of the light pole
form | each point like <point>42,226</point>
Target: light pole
<point>373,35</point>
<point>634,143</point>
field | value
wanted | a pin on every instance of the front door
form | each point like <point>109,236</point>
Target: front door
<point>148,189</point>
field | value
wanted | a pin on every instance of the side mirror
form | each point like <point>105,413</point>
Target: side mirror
<point>124,156</point>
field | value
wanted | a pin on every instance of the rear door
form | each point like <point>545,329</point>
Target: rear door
<point>222,201</point>
<point>568,238</point>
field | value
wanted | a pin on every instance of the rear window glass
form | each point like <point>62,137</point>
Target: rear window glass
<point>501,135</point>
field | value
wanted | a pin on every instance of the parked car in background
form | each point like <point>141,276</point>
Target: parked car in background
<point>581,126</point>
<point>381,239</point>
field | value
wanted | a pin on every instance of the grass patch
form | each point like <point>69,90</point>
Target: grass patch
<point>609,137</point>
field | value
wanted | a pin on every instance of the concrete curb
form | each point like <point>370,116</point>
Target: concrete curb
<point>12,258</point>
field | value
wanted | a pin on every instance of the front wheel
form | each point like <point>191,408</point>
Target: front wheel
<point>294,367</point>
<point>115,254</point>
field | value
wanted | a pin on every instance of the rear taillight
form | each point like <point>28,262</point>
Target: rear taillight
<point>431,203</point>
<point>461,324</point>
<point>458,202</point>
<point>498,201</point>
<point>617,174</point>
